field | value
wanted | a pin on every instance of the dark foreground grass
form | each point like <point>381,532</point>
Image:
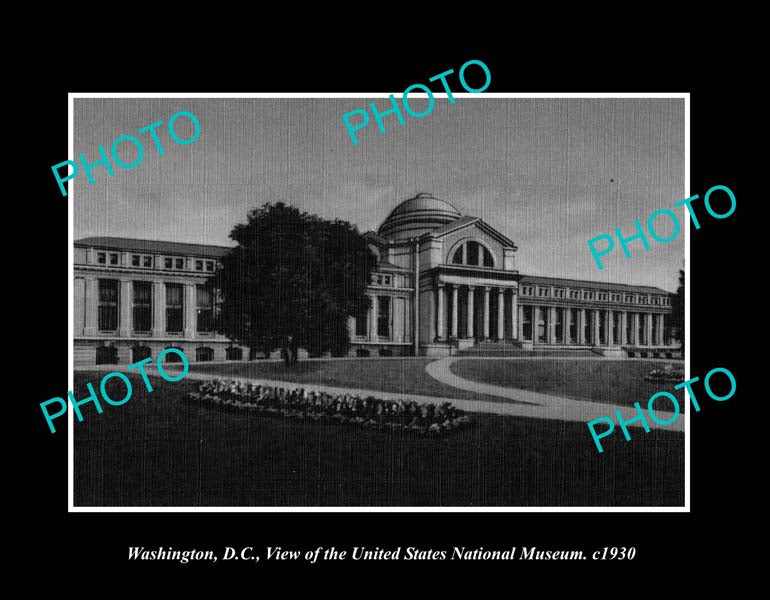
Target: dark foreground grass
<point>392,375</point>
<point>613,382</point>
<point>161,450</point>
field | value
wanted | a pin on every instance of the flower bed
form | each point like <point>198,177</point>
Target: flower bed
<point>667,375</point>
<point>371,412</point>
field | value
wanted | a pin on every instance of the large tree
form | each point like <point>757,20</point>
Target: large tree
<point>292,273</point>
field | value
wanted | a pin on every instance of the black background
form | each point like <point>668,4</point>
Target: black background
<point>72,545</point>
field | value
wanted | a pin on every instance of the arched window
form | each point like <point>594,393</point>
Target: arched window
<point>140,353</point>
<point>204,354</point>
<point>234,353</point>
<point>474,254</point>
<point>172,357</point>
<point>106,355</point>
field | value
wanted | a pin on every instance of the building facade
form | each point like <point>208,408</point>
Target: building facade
<point>444,282</point>
<point>447,281</point>
<point>134,298</point>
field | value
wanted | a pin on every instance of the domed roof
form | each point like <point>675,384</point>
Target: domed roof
<point>416,216</point>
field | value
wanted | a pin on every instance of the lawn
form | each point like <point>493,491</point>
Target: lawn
<point>613,382</point>
<point>161,450</point>
<point>405,376</point>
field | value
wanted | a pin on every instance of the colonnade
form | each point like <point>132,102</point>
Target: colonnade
<point>467,312</point>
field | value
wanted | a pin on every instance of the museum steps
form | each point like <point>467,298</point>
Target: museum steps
<point>514,349</point>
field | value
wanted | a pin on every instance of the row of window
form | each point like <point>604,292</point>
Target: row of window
<point>382,279</point>
<point>383,318</point>
<point>142,309</point>
<point>146,261</point>
<point>108,355</point>
<point>545,292</point>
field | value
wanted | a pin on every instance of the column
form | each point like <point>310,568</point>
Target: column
<point>581,333</point>
<point>455,298</point>
<point>610,328</point>
<point>190,309</point>
<point>158,309</point>
<point>470,311</point>
<point>550,334</point>
<point>500,313</point>
<point>441,323</point>
<point>521,323</point>
<point>125,309</point>
<point>635,330</point>
<point>567,325</point>
<point>624,328</point>
<point>486,312</point>
<point>373,319</point>
<point>648,326</point>
<point>595,329</point>
<point>514,315</point>
<point>92,300</point>
<point>660,329</point>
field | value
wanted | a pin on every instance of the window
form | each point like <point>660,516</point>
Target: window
<point>471,253</point>
<point>101,258</point>
<point>209,265</point>
<point>173,357</point>
<point>603,296</point>
<point>544,292</point>
<point>361,323</point>
<point>204,354</point>
<point>148,261</point>
<point>488,262</point>
<point>140,353</point>
<point>642,299</point>
<point>108,304</point>
<point>558,293</point>
<point>169,263</point>
<point>174,306</point>
<point>113,258</point>
<point>629,298</point>
<point>205,309</point>
<point>233,353</point>
<point>574,294</point>
<point>386,279</point>
<point>142,306</point>
<point>136,260</point>
<point>106,355</point>
<point>199,265</point>
<point>383,316</point>
<point>180,263</point>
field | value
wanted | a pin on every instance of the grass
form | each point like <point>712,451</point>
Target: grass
<point>161,450</point>
<point>613,382</point>
<point>392,375</point>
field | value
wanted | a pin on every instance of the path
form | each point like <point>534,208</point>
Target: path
<point>540,406</point>
<point>545,406</point>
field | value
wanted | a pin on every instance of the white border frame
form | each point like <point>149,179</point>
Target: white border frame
<point>367,509</point>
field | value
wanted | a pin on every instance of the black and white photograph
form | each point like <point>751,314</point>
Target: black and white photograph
<point>468,311</point>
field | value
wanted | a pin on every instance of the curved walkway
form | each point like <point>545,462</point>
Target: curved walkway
<point>542,406</point>
<point>528,404</point>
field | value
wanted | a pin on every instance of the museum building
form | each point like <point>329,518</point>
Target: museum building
<point>444,283</point>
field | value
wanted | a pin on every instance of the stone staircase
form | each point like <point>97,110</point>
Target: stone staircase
<point>509,348</point>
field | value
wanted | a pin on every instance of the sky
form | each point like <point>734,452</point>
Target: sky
<point>547,173</point>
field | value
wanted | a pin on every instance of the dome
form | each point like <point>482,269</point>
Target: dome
<point>416,216</point>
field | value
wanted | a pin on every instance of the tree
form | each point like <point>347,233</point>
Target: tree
<point>292,273</point>
<point>677,312</point>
